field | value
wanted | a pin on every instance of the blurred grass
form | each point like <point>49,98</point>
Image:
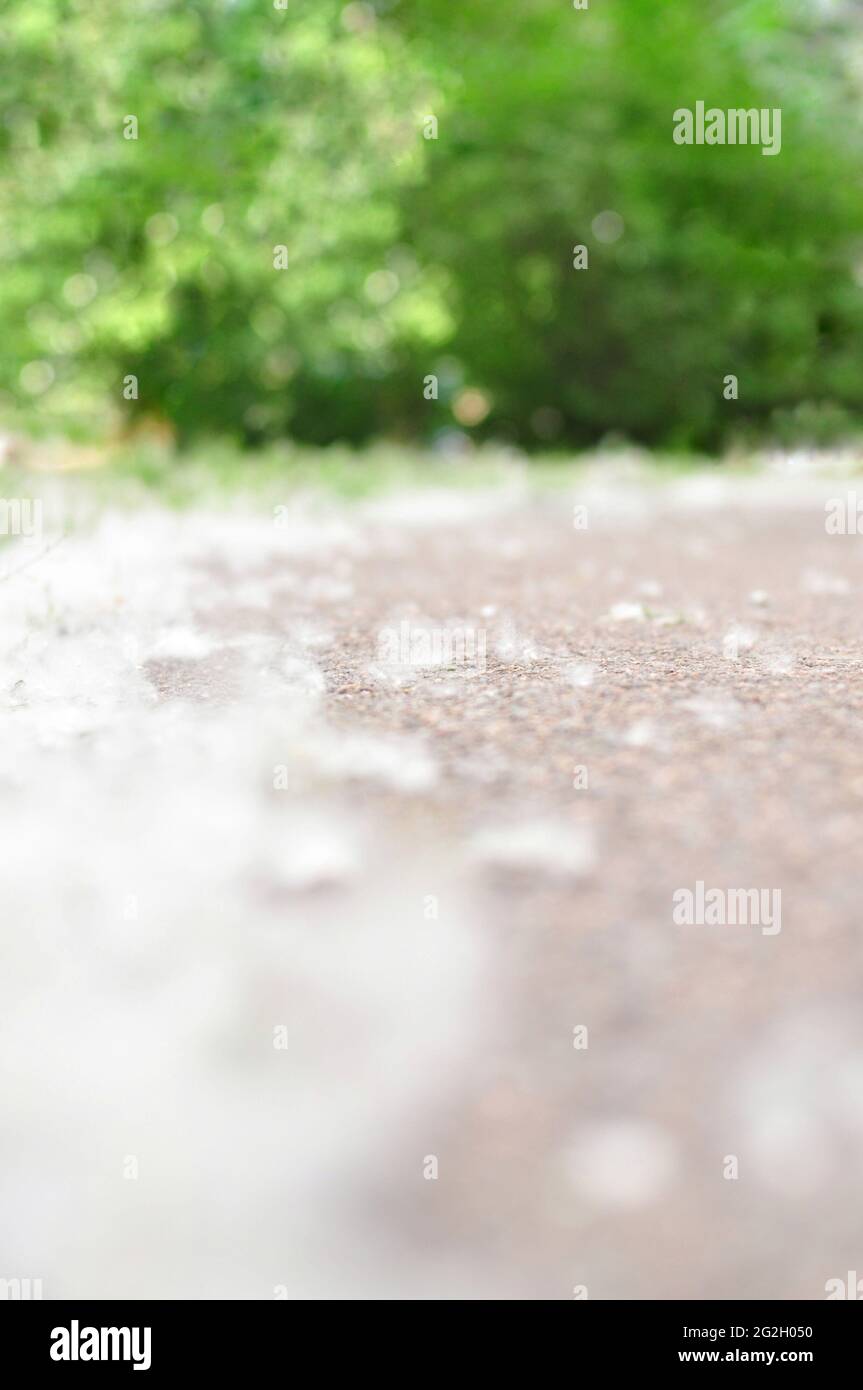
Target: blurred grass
<point>77,483</point>
<point>220,471</point>
<point>219,474</point>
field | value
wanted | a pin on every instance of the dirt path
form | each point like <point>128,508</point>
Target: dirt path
<point>231,813</point>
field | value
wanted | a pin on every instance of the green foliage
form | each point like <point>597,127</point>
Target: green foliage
<point>154,257</point>
<point>260,127</point>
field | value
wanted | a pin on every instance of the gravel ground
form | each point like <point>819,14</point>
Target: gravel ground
<point>294,921</point>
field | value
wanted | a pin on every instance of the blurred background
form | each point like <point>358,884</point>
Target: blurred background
<point>283,920</point>
<point>421,247</point>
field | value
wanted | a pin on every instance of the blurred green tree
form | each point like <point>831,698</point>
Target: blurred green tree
<point>155,258</point>
<point>556,131</point>
<point>147,248</point>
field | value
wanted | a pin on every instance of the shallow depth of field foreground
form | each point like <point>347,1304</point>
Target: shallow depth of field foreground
<point>340,857</point>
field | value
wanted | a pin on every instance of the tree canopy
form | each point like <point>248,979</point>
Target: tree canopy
<point>156,155</point>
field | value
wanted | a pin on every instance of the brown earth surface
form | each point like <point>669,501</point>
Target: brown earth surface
<point>671,695</point>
